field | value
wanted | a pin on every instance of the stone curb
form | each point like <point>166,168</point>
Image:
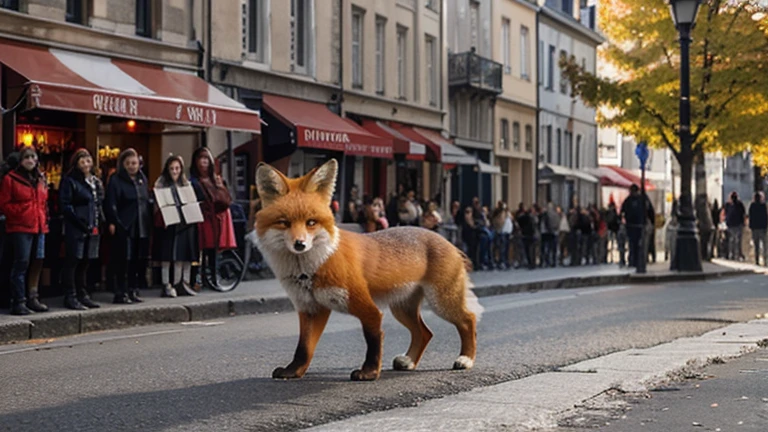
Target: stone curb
<point>60,324</point>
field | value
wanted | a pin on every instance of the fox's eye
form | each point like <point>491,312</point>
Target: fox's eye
<point>311,223</point>
<point>284,223</point>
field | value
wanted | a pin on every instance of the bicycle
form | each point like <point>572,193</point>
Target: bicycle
<point>231,268</point>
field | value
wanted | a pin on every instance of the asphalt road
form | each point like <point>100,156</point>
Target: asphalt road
<point>216,376</point>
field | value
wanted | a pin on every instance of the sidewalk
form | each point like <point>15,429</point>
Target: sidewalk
<point>267,296</point>
<point>595,388</point>
<point>732,395</point>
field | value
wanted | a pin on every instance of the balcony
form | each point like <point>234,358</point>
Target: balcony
<point>469,70</point>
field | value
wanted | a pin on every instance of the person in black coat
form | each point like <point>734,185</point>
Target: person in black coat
<point>80,197</point>
<point>128,208</point>
<point>177,243</point>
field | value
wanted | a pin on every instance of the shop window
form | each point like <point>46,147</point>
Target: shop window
<point>75,12</point>
<point>9,4</point>
<point>54,147</point>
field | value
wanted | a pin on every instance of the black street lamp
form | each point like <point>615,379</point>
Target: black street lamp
<point>687,253</point>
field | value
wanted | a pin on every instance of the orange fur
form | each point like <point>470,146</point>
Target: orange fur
<point>350,272</point>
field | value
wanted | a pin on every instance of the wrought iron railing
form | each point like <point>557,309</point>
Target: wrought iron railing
<point>472,70</point>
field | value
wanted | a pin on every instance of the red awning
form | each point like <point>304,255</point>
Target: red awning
<point>445,151</point>
<point>70,81</point>
<point>317,127</point>
<point>630,176</point>
<point>402,145</point>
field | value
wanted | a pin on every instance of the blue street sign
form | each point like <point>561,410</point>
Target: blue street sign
<point>641,151</point>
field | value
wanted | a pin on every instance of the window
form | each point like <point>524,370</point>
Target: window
<point>577,155</point>
<point>357,48</point>
<point>454,108</point>
<point>551,68</point>
<point>191,33</point>
<point>431,70</point>
<point>504,144</point>
<point>301,35</point>
<point>254,29</point>
<point>9,4</point>
<point>541,62</point>
<point>381,25</point>
<point>516,136</point>
<point>144,18</point>
<point>434,5</point>
<point>525,72</point>
<point>528,138</point>
<point>568,159</point>
<point>549,144</point>
<point>75,11</point>
<point>474,22</point>
<point>559,160</point>
<point>563,77</point>
<point>402,45</point>
<point>568,7</point>
<point>474,120</point>
<point>505,54</point>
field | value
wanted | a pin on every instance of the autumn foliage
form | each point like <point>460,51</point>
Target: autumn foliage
<point>729,75</point>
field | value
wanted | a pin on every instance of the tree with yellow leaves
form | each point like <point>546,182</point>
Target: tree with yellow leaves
<point>729,80</point>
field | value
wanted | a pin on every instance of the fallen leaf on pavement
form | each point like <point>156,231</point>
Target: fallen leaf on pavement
<point>697,424</point>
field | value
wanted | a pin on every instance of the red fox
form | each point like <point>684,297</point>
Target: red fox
<point>324,269</point>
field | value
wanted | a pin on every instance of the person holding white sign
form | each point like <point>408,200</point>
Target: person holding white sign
<point>176,216</point>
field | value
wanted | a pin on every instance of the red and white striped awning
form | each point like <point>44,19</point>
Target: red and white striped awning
<point>69,81</point>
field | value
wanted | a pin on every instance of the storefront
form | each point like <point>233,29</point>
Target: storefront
<point>58,101</point>
<point>405,173</point>
<point>302,135</point>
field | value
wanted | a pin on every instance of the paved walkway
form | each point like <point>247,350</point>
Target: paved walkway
<point>265,296</point>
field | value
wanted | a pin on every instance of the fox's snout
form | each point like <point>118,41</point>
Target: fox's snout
<point>299,245</point>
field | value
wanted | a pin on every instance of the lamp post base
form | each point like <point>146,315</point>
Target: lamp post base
<point>687,253</point>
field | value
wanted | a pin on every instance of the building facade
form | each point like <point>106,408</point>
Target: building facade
<point>79,40</point>
<point>474,82</point>
<point>378,67</point>
<point>107,75</point>
<point>567,128</point>
<point>516,109</point>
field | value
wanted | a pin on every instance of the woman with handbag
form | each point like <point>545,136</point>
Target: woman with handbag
<point>177,243</point>
<point>128,208</point>
<point>80,196</point>
<point>216,232</point>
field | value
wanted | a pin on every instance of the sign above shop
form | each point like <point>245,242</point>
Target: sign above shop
<point>70,81</point>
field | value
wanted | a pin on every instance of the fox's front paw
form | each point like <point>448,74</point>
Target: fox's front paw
<point>364,375</point>
<point>285,373</point>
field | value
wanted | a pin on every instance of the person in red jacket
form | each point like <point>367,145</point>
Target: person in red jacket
<point>23,201</point>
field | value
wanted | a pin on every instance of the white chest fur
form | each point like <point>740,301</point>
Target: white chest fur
<point>295,270</point>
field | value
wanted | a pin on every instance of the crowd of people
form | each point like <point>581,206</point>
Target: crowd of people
<point>726,238</point>
<point>501,238</point>
<point>124,211</point>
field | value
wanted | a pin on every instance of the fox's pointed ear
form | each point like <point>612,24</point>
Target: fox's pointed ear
<point>270,183</point>
<point>322,180</point>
